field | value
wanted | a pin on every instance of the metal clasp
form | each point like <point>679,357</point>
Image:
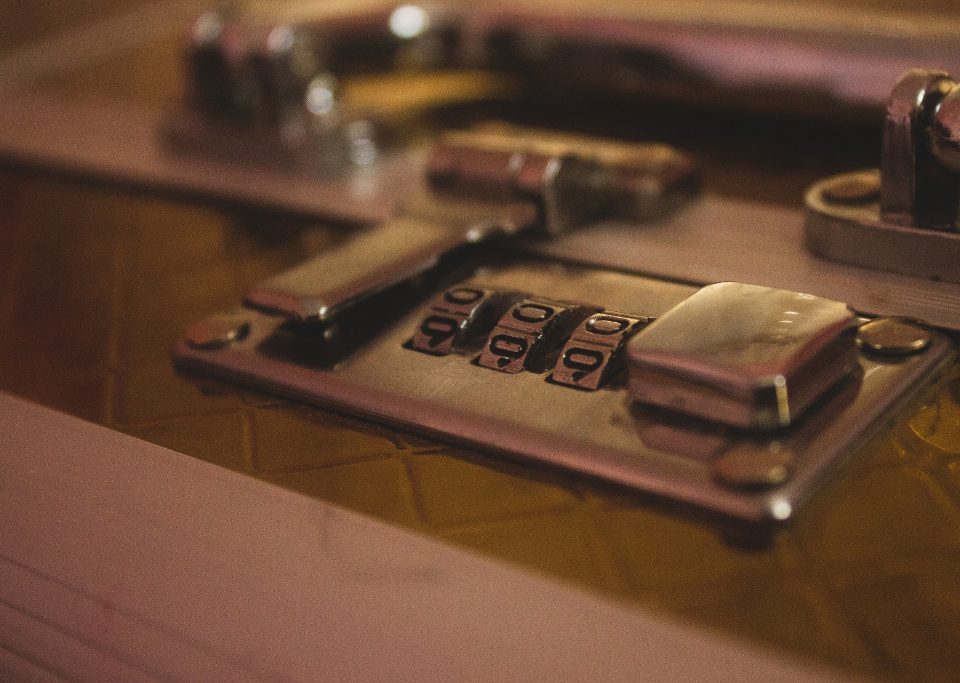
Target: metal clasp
<point>902,218</point>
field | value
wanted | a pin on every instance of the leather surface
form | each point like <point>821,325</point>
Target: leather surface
<point>97,283</point>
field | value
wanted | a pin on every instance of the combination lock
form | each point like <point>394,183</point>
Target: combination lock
<point>736,397</point>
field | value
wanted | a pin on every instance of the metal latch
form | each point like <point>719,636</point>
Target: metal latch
<point>903,217</point>
<point>266,89</point>
<point>735,397</point>
<point>495,183</point>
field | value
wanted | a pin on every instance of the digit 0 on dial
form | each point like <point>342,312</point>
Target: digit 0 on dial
<point>592,355</point>
<point>529,335</point>
<point>459,318</point>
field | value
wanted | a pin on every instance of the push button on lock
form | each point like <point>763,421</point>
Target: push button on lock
<point>592,354</point>
<point>742,355</point>
<point>459,319</point>
<point>528,336</point>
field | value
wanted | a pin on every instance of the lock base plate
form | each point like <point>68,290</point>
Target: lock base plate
<point>843,224</point>
<point>600,433</point>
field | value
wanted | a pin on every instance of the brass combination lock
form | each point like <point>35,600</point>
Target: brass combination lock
<point>450,319</point>
<point>570,299</point>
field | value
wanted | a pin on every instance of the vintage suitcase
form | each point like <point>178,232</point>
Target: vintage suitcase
<point>457,269</point>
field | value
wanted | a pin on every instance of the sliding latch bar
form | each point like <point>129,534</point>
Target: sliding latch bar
<point>484,185</point>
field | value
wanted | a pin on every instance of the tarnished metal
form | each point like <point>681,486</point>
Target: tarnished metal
<point>750,468</point>
<point>594,353</point>
<point>893,336</point>
<point>910,226</point>
<point>603,433</point>
<point>481,192</point>
<point>218,331</point>
<point>742,355</point>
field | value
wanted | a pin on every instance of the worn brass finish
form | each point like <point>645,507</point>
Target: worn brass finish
<point>910,225</point>
<point>749,468</point>
<point>893,336</point>
<point>603,433</point>
<point>217,331</point>
<point>742,355</point>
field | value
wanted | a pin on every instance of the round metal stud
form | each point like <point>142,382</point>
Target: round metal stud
<point>893,337</point>
<point>753,467</point>
<point>217,331</point>
<point>854,188</point>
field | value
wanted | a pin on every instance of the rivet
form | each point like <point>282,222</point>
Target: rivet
<point>217,331</point>
<point>750,466</point>
<point>855,188</point>
<point>893,336</point>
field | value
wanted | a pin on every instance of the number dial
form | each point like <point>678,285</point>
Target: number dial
<point>592,354</point>
<point>530,334</point>
<point>459,318</point>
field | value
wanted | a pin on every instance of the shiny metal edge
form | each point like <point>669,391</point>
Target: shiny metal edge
<point>858,236</point>
<point>449,398</point>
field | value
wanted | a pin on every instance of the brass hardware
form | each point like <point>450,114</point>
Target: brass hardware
<point>893,336</point>
<point>746,467</point>
<point>593,354</point>
<point>910,225</point>
<point>605,433</point>
<point>217,331</point>
<point>742,355</point>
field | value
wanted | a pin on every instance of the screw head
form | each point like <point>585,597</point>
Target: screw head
<point>217,332</point>
<point>893,337</point>
<point>753,467</point>
<point>854,188</point>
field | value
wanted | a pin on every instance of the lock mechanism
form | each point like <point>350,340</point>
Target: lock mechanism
<point>452,318</point>
<point>493,184</point>
<point>735,397</point>
<point>746,356</point>
<point>266,88</point>
<point>905,216</point>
